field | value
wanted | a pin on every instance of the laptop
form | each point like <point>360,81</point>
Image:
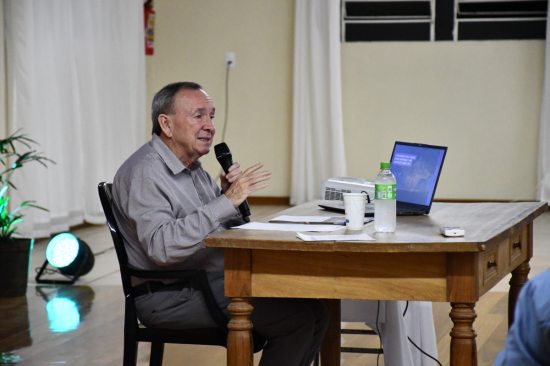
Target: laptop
<point>417,168</point>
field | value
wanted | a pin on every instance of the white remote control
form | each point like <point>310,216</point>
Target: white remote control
<point>452,231</point>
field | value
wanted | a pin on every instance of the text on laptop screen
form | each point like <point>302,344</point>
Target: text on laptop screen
<point>416,170</point>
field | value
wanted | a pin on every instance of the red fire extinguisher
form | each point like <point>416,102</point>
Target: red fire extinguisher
<point>149,24</point>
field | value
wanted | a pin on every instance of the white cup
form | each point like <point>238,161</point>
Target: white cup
<point>354,204</point>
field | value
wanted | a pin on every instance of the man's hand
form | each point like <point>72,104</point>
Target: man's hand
<point>242,184</point>
<point>227,178</point>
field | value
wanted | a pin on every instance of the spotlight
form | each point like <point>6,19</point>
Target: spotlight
<point>71,256</point>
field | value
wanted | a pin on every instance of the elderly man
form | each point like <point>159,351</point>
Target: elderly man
<point>166,204</point>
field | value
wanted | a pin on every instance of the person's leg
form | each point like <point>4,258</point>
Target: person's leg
<point>180,309</point>
<point>294,329</point>
<point>321,314</point>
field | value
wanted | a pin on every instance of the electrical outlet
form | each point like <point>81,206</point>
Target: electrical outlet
<point>230,59</point>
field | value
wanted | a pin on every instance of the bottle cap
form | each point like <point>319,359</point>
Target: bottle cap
<point>384,165</point>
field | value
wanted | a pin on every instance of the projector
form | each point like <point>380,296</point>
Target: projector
<point>333,188</point>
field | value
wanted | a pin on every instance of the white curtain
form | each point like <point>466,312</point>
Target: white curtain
<point>543,187</point>
<point>318,137</point>
<point>76,85</point>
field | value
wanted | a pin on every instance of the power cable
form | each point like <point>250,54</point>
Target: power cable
<point>225,119</point>
<point>414,344</point>
<point>226,113</point>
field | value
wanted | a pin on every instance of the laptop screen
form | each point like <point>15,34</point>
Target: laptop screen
<point>416,168</point>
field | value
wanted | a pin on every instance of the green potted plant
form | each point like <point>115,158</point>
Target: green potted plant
<point>15,250</point>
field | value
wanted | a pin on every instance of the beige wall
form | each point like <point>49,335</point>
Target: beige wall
<point>481,99</point>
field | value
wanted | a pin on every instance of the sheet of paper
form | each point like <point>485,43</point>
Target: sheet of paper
<point>301,219</point>
<point>335,237</point>
<point>317,219</point>
<point>287,227</point>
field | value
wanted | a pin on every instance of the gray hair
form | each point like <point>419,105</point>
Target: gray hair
<point>163,101</point>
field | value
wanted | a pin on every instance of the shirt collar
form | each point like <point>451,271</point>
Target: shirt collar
<point>171,161</point>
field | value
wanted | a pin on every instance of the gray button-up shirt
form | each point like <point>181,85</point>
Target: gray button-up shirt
<point>165,210</point>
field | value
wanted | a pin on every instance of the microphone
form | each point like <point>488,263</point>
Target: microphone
<point>226,160</point>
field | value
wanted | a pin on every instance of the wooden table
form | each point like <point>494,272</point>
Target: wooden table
<point>415,263</point>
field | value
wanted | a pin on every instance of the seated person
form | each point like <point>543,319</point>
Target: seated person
<point>528,341</point>
<point>166,204</point>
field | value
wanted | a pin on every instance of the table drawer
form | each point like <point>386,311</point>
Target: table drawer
<point>491,265</point>
<point>518,249</point>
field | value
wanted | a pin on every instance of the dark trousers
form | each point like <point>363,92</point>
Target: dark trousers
<point>294,328</point>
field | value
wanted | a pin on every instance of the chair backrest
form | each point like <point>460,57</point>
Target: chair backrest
<point>106,198</point>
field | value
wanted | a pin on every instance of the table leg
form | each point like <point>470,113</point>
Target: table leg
<point>239,339</point>
<point>519,278</point>
<point>463,336</point>
<point>330,349</point>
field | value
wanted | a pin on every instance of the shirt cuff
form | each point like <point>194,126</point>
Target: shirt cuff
<point>222,208</point>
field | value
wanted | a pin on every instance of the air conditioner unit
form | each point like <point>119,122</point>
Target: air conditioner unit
<point>333,188</point>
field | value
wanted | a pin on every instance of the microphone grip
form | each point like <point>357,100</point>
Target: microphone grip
<point>223,155</point>
<point>245,211</point>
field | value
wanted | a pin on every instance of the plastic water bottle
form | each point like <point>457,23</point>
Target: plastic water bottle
<point>384,200</point>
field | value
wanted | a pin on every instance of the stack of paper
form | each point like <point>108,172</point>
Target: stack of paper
<point>335,237</point>
<point>287,227</point>
<point>303,225</point>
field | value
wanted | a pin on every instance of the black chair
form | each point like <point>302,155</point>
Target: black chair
<point>368,350</point>
<point>134,332</point>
